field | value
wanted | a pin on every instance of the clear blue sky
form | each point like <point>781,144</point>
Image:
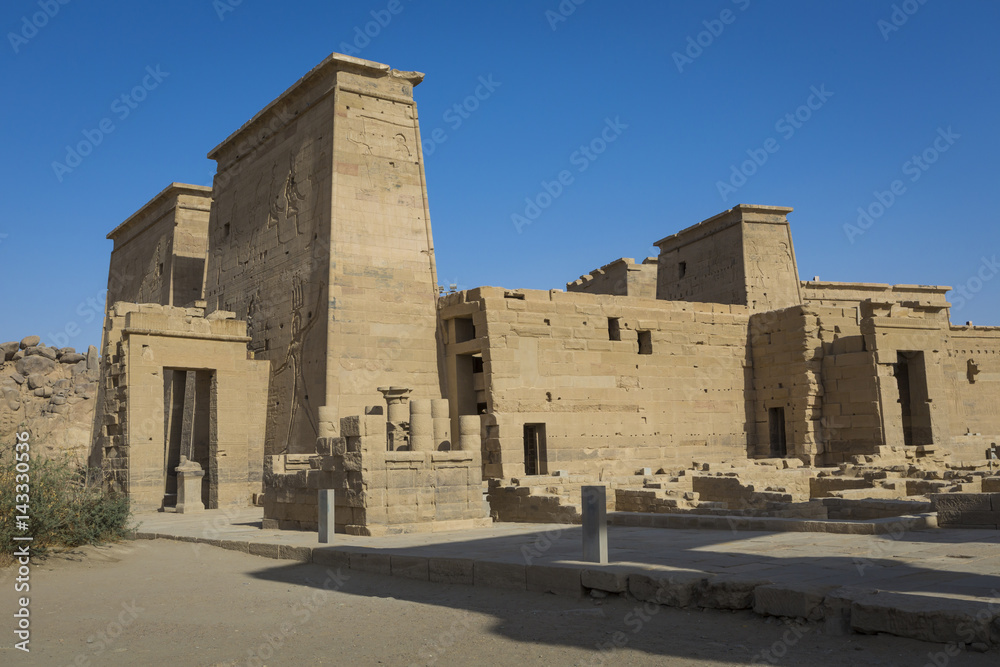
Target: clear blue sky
<point>887,95</point>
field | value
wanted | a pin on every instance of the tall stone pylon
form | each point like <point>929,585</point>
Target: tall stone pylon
<point>320,237</point>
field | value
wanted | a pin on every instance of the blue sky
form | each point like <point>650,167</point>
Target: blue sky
<point>695,95</point>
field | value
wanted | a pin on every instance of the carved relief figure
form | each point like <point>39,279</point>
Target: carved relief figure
<point>294,364</point>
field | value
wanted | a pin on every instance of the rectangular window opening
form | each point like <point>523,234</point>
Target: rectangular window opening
<point>682,269</point>
<point>645,342</point>
<point>614,328</point>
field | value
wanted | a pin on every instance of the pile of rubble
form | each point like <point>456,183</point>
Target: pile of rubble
<point>50,392</point>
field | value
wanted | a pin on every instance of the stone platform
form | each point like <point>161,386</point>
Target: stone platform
<point>938,585</point>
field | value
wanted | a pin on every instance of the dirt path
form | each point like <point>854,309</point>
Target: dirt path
<point>170,603</point>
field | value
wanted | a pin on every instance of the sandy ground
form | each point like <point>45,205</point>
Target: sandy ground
<point>171,603</point>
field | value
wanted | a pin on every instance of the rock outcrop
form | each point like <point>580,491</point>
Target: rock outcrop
<point>50,392</point>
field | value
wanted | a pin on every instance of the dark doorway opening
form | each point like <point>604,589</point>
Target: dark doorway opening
<point>535,454</point>
<point>914,401</point>
<point>188,408</point>
<point>776,421</point>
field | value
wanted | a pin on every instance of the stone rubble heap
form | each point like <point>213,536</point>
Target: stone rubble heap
<point>50,392</point>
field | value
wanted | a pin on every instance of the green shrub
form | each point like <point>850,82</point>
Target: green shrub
<point>67,508</point>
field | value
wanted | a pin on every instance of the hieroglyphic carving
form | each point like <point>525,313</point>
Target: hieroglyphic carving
<point>295,380</point>
<point>381,142</point>
<point>283,211</point>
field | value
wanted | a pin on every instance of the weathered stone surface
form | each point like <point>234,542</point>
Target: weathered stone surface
<point>924,617</point>
<point>794,601</point>
<point>30,341</point>
<point>18,378</point>
<point>451,571</point>
<point>73,358</point>
<point>36,364</point>
<point>37,380</point>
<point>410,567</point>
<point>609,579</point>
<point>7,350</point>
<point>93,359</point>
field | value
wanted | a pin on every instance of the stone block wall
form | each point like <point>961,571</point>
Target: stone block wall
<point>674,387</point>
<point>160,251</point>
<point>743,256</point>
<point>147,342</point>
<point>622,277</point>
<point>787,361</point>
<point>967,510</point>
<point>972,369</point>
<point>320,239</point>
<point>376,491</point>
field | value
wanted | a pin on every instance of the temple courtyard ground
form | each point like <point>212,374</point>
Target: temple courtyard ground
<point>375,600</point>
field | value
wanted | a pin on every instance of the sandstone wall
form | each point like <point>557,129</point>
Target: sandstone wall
<point>320,239</point>
<point>160,251</point>
<point>972,368</point>
<point>742,256</point>
<point>49,392</point>
<point>606,405</point>
<point>622,277</point>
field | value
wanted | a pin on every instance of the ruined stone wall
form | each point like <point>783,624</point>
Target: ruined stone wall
<point>606,405</point>
<point>972,367</point>
<point>787,364</point>
<point>622,277</point>
<point>159,252</point>
<point>376,491</point>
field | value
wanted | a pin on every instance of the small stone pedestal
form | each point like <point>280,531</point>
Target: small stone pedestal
<point>189,477</point>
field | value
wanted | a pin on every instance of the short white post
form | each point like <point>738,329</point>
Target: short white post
<point>326,525</point>
<point>595,524</point>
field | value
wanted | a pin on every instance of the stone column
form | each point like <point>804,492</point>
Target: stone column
<point>397,400</point>
<point>189,477</point>
<point>421,426</point>
<point>469,433</point>
<point>441,417</point>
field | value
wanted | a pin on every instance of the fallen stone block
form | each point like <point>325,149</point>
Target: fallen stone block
<point>791,600</point>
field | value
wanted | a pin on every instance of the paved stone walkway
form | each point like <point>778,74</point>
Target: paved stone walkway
<point>939,585</point>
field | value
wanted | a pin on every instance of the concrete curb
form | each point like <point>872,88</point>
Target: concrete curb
<point>843,610</point>
<point>773,524</point>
